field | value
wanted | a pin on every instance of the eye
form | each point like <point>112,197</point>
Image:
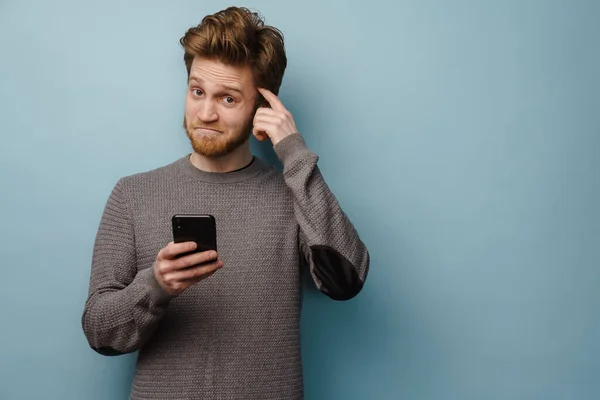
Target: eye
<point>197,92</point>
<point>229,100</point>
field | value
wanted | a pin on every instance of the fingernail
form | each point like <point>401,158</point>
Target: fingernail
<point>192,246</point>
<point>213,254</point>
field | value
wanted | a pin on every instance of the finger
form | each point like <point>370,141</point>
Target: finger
<point>283,119</point>
<point>272,99</point>
<point>276,119</point>
<point>196,273</point>
<point>261,136</point>
<point>267,116</point>
<point>269,119</point>
<point>262,128</point>
<point>269,111</point>
<point>205,276</point>
<point>183,285</point>
<point>190,261</point>
<point>172,250</point>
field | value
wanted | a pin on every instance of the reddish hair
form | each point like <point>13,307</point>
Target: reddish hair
<point>238,36</point>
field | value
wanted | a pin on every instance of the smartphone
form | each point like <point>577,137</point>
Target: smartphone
<point>199,228</point>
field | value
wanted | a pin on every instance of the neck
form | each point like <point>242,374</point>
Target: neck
<point>235,160</point>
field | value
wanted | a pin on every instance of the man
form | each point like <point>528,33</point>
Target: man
<point>223,325</point>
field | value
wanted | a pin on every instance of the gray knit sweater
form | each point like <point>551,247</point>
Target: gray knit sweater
<point>236,334</point>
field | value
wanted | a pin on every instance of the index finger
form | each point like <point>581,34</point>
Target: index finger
<point>273,100</point>
<point>172,250</point>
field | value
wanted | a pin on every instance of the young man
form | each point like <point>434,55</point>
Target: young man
<point>226,325</point>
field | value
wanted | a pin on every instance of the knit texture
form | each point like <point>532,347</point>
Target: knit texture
<point>235,335</point>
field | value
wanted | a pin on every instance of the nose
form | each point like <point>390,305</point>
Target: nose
<point>207,111</point>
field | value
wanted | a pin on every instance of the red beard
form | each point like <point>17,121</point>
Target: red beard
<point>217,144</point>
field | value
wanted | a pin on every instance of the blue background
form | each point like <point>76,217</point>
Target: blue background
<point>462,138</point>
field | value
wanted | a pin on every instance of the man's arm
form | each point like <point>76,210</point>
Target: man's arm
<point>124,307</point>
<point>337,258</point>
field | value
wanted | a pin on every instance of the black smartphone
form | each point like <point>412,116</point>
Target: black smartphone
<point>199,228</point>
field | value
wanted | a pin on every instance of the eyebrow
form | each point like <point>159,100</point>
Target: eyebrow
<point>224,87</point>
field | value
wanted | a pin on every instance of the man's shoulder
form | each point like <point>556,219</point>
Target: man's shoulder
<point>152,176</point>
<point>162,176</point>
<point>270,175</point>
<point>272,171</point>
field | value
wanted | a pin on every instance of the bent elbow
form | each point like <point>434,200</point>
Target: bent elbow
<point>102,343</point>
<point>339,279</point>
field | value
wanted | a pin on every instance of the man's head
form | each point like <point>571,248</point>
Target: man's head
<point>227,56</point>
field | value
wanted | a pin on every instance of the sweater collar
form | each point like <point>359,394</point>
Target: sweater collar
<point>248,172</point>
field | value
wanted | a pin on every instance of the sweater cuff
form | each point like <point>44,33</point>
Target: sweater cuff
<point>291,148</point>
<point>156,294</point>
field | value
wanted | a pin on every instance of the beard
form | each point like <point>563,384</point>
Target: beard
<point>220,143</point>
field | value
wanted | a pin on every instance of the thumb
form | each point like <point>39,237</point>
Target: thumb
<point>259,135</point>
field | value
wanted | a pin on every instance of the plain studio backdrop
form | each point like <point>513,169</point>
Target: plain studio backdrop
<point>462,139</point>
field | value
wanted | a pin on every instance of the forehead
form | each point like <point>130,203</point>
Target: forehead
<point>215,74</point>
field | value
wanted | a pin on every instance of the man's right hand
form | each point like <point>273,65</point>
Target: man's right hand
<point>175,275</point>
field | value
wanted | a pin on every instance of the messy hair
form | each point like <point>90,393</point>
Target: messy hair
<point>237,36</point>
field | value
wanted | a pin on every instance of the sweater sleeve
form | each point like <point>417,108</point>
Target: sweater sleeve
<point>337,259</point>
<point>124,306</point>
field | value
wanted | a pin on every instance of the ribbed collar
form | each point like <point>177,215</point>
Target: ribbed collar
<point>186,167</point>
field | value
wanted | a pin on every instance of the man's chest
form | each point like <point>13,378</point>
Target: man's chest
<point>254,228</point>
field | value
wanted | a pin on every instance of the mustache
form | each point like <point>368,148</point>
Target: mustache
<point>215,127</point>
<point>196,124</point>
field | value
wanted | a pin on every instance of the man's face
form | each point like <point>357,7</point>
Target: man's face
<point>219,107</point>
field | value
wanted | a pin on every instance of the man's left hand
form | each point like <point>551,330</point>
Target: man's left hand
<point>274,123</point>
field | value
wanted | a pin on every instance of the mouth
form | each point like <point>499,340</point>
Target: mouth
<point>206,131</point>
